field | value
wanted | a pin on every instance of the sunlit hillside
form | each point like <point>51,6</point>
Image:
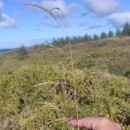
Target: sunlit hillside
<point>40,91</point>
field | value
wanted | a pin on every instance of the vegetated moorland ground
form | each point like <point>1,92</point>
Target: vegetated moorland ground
<point>38,93</point>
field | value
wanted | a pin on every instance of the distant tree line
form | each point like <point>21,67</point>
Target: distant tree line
<point>79,39</point>
<point>23,53</point>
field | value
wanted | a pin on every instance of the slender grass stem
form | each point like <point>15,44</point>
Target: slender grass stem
<point>70,48</point>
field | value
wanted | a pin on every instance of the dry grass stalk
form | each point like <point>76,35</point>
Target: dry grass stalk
<point>50,12</point>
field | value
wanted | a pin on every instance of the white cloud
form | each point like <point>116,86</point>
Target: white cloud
<point>61,14</point>
<point>119,19</point>
<point>50,4</point>
<point>102,7</point>
<point>6,21</point>
<point>64,11</point>
<point>1,4</point>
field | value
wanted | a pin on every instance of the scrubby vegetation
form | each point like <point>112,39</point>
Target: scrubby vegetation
<point>38,93</point>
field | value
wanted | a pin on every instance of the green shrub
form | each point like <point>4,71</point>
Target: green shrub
<point>127,73</point>
<point>22,53</point>
<point>43,97</point>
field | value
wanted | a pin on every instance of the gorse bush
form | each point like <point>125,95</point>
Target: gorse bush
<point>43,97</point>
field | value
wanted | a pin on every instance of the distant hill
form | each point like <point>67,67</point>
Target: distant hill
<point>6,50</point>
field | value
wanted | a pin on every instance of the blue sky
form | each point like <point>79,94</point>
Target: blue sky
<point>22,24</point>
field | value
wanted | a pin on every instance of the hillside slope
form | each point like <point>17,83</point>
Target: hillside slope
<point>41,91</point>
<point>110,55</point>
